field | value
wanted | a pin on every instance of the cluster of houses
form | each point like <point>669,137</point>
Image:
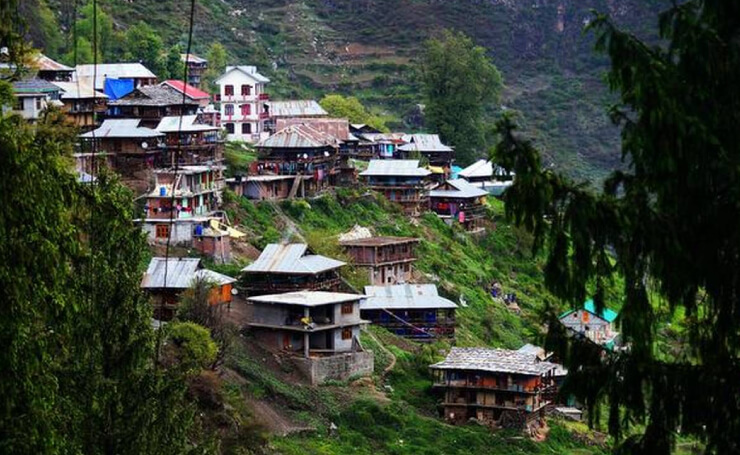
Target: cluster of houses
<point>166,141</point>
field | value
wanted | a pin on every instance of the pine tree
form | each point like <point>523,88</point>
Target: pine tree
<point>668,225</point>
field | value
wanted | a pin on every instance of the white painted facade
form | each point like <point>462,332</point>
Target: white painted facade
<point>242,100</point>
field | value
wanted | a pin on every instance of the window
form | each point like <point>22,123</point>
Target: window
<point>162,231</point>
<point>347,308</point>
<point>246,90</point>
<point>347,334</point>
<point>246,109</point>
<point>38,104</point>
<point>228,109</point>
<point>229,90</point>
<point>229,128</point>
<point>246,128</point>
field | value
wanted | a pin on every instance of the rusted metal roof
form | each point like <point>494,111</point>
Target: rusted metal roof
<point>291,259</point>
<point>494,361</point>
<point>44,63</point>
<point>379,241</point>
<point>424,143</point>
<point>296,108</point>
<point>192,58</point>
<point>299,136</point>
<point>307,298</point>
<point>395,168</point>
<point>335,127</point>
<point>405,297</point>
<point>180,273</point>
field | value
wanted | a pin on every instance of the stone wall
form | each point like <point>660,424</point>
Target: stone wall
<point>338,367</point>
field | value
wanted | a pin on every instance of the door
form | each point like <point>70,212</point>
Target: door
<point>286,341</point>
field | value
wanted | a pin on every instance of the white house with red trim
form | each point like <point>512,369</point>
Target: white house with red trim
<point>242,98</point>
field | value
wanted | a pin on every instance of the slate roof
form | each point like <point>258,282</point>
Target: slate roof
<point>122,128</point>
<point>299,136</point>
<point>78,90</point>
<point>390,168</point>
<point>112,71</point>
<point>171,124</point>
<point>180,273</point>
<point>190,91</point>
<point>291,259</point>
<point>404,297</point>
<point>335,127</point>
<point>424,143</point>
<point>462,189</point>
<point>607,314</point>
<point>307,298</point>
<point>495,361</point>
<point>152,95</point>
<point>249,70</point>
<point>32,86</point>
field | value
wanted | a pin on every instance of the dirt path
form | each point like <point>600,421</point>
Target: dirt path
<point>274,421</point>
<point>389,368</point>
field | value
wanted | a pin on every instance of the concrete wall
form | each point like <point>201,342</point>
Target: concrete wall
<point>270,314</point>
<point>347,319</point>
<point>182,232</point>
<point>341,345</point>
<point>594,327</point>
<point>337,367</point>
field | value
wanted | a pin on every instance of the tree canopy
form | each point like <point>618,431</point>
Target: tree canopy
<point>352,109</point>
<point>458,81</point>
<point>668,225</point>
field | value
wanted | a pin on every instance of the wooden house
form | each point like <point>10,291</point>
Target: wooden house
<point>596,326</point>
<point>131,146</point>
<point>414,311</point>
<point>457,201</point>
<point>400,181</point>
<point>81,103</point>
<point>261,187</point>
<point>197,192</point>
<point>377,145</point>
<point>388,260</point>
<point>430,147</point>
<point>288,268</point>
<point>197,66</point>
<point>190,141</point>
<point>488,177</point>
<point>320,330</point>
<point>151,104</point>
<point>300,151</point>
<point>499,388</point>
<point>166,279</point>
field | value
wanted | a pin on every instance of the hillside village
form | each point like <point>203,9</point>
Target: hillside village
<point>167,140</point>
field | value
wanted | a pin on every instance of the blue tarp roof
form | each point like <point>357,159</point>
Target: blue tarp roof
<point>607,314</point>
<point>117,88</point>
<point>455,171</point>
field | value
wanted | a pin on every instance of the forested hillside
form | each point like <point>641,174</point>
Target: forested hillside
<point>367,48</point>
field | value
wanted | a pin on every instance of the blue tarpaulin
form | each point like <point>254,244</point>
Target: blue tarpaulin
<point>117,88</point>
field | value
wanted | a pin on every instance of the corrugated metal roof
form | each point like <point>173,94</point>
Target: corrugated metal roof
<point>78,90</point>
<point>424,143</point>
<point>211,276</point>
<point>607,314</point>
<point>44,63</point>
<point>481,168</point>
<point>291,259</point>
<point>459,188</point>
<point>495,361</point>
<point>299,136</point>
<point>112,71</point>
<point>34,86</point>
<point>180,273</point>
<point>307,298</point>
<point>123,128</point>
<point>378,241</point>
<point>296,108</point>
<point>192,58</point>
<point>249,70</point>
<point>403,168</point>
<point>403,297</point>
<point>172,124</point>
<point>335,127</point>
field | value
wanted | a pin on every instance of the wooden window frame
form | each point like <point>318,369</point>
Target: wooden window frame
<point>347,308</point>
<point>346,333</point>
